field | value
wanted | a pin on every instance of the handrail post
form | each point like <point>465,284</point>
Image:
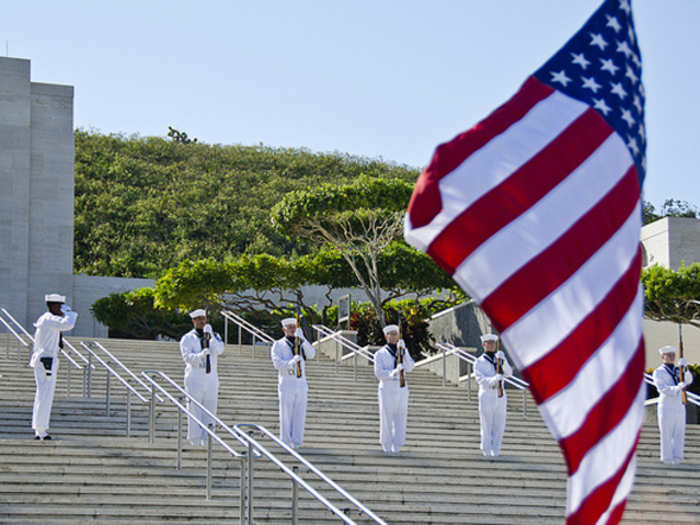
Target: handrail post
<point>85,371</point>
<point>354,365</point>
<point>240,341</point>
<point>294,496</point>
<point>337,359</point>
<point>152,417</point>
<point>208,464</point>
<point>242,504</point>
<point>252,349</point>
<point>225,330</point>
<point>178,466</point>
<point>128,413</point>
<point>250,481</point>
<point>68,380</point>
<point>107,398</point>
<point>524,403</point>
<point>469,381</point>
<point>89,376</point>
<point>444,366</point>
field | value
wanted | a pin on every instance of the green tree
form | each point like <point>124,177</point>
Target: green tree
<point>133,315</point>
<point>144,204</point>
<point>672,295</point>
<point>671,208</point>
<point>362,221</point>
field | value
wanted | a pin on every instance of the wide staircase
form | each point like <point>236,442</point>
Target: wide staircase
<point>92,473</point>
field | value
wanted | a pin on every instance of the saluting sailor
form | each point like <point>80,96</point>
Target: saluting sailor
<point>47,342</point>
<point>200,348</point>
<point>492,408</point>
<point>292,387</point>
<point>393,398</point>
<point>671,410</point>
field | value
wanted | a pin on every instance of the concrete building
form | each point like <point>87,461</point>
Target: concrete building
<point>36,202</point>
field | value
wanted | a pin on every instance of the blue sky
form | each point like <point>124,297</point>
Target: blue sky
<point>381,78</point>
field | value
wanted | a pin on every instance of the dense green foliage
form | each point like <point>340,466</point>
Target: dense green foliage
<point>672,295</point>
<point>143,205</point>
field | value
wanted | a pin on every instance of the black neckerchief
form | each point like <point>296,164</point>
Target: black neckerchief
<point>394,351</point>
<point>491,358</point>
<point>60,340</point>
<point>204,343</point>
<point>291,342</point>
<point>671,369</point>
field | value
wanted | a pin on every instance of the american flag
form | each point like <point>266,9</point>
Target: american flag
<point>536,213</point>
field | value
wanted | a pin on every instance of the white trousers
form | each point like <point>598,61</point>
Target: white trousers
<point>672,429</point>
<point>205,389</point>
<point>292,406</point>
<point>492,416</point>
<point>43,398</point>
<point>393,415</point>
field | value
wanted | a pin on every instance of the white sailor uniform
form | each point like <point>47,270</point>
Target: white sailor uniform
<point>393,399</point>
<point>492,409</point>
<point>203,386</point>
<point>292,390</point>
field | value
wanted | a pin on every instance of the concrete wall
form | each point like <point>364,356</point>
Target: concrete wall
<point>87,289</point>
<point>670,241</point>
<point>15,166</point>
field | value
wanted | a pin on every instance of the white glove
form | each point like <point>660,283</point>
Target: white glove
<point>497,378</point>
<point>500,355</point>
<point>65,308</point>
<point>401,344</point>
<point>208,329</point>
<point>300,334</point>
<point>294,360</point>
<point>682,362</point>
<point>396,371</point>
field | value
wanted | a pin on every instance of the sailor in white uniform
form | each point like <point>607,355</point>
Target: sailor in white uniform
<point>47,342</point>
<point>292,387</point>
<point>200,348</point>
<point>492,409</point>
<point>671,410</point>
<point>393,398</point>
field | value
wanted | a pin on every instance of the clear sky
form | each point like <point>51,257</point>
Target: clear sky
<point>376,78</point>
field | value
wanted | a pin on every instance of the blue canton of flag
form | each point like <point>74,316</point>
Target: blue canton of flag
<point>601,66</point>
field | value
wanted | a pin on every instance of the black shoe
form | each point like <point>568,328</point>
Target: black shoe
<point>47,438</point>
<point>37,437</point>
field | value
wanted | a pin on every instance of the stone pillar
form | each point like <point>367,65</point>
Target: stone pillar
<point>15,162</point>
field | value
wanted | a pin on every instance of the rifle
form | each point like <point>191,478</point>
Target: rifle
<point>499,368</point>
<point>681,369</point>
<point>399,359</point>
<point>296,343</point>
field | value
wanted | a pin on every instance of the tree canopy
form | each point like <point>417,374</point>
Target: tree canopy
<point>359,220</point>
<point>144,204</point>
<point>672,295</point>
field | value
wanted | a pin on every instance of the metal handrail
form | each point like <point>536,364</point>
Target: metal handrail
<point>450,349</point>
<point>114,372</point>
<point>182,391</point>
<point>124,367</point>
<point>250,328</point>
<point>13,332</point>
<point>693,398</point>
<point>211,435</point>
<point>353,347</point>
<point>31,338</point>
<point>296,479</point>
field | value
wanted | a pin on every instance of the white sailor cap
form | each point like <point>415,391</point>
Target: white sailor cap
<point>489,337</point>
<point>199,312</point>
<point>288,321</point>
<point>391,328</point>
<point>54,298</point>
<point>668,349</point>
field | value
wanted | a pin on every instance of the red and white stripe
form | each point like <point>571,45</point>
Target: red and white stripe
<point>535,212</point>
